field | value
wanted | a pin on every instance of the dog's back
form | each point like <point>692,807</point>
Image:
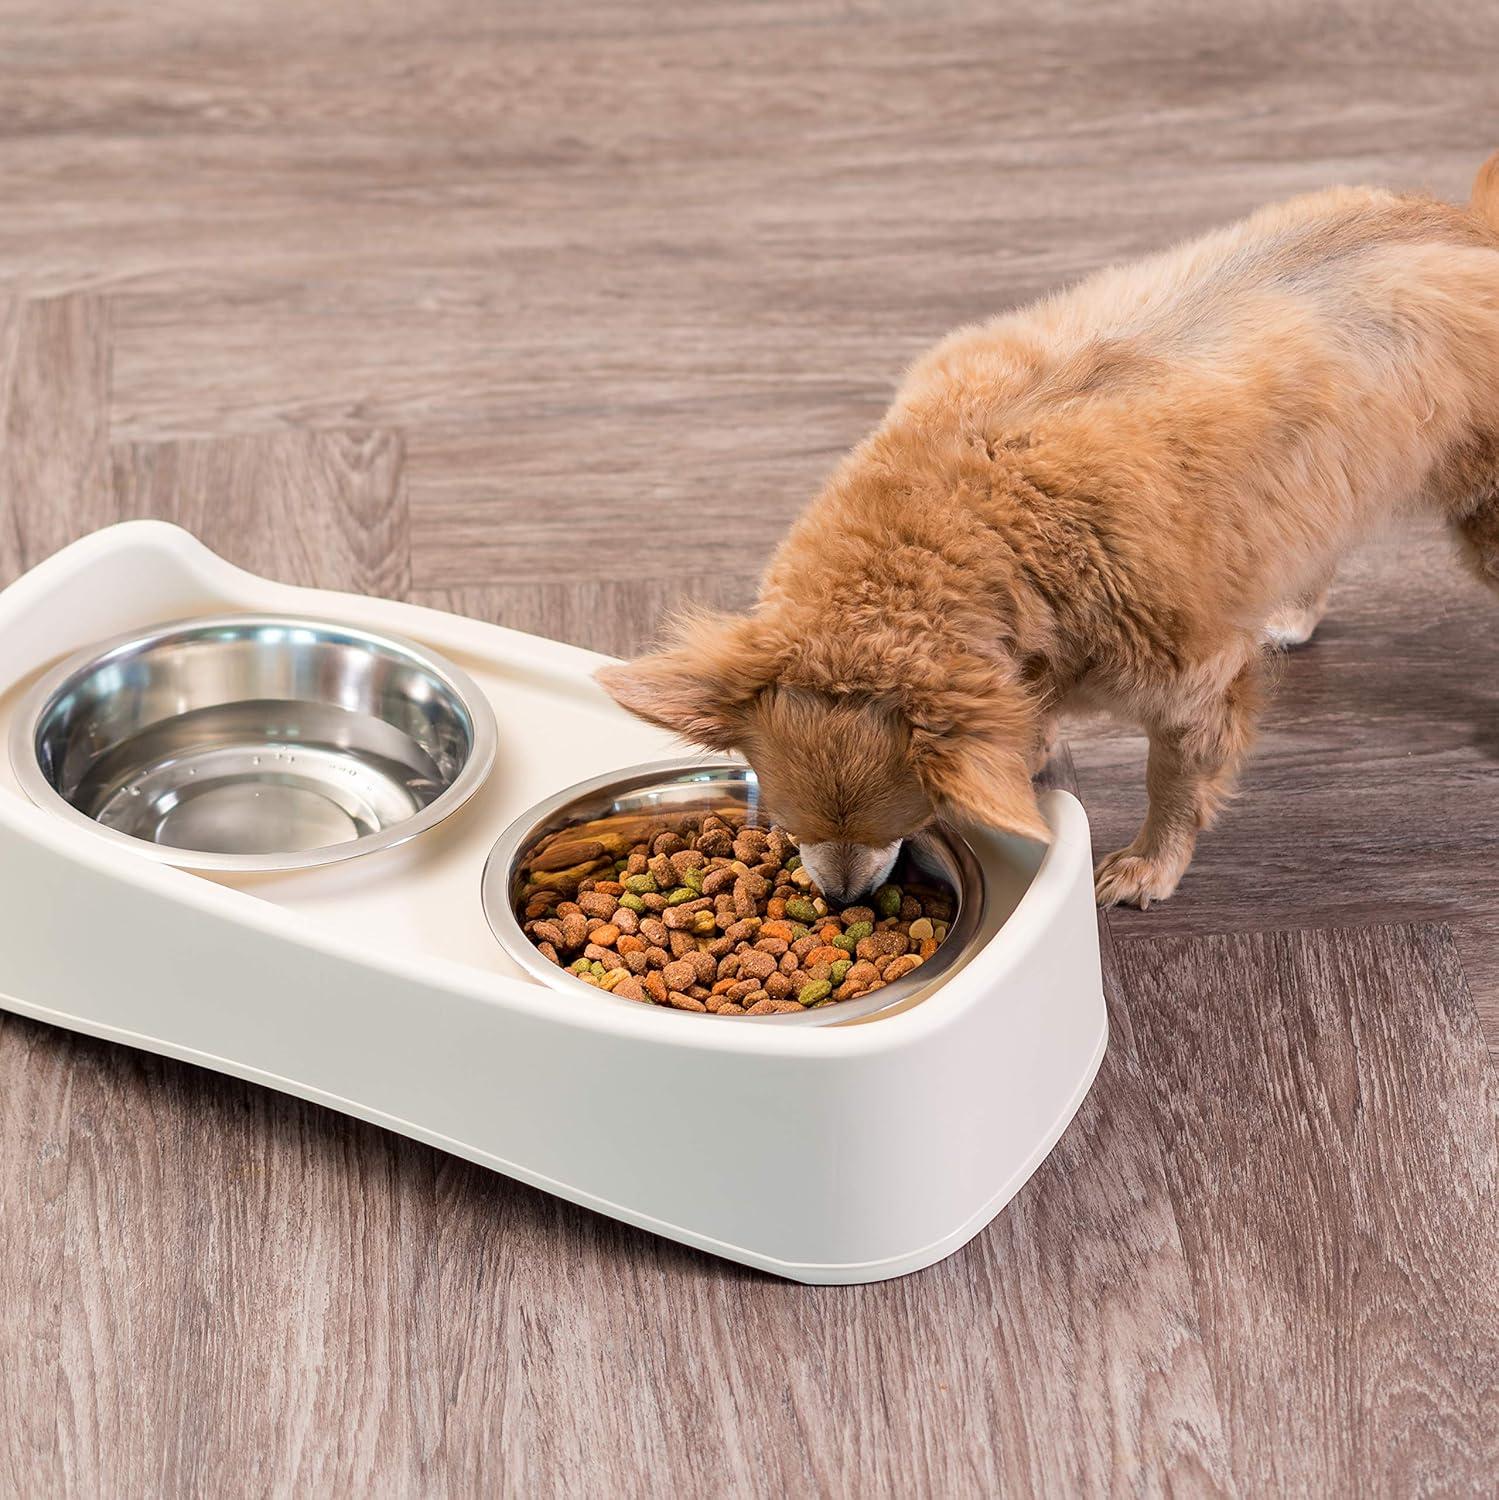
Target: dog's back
<point>1255,398</point>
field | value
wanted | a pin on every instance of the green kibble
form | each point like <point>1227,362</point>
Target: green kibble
<point>887,900</point>
<point>799,930</point>
<point>632,902</point>
<point>847,941</point>
<point>597,969</point>
<point>579,966</point>
<point>799,909</point>
<point>620,866</point>
<point>794,863</point>
<point>839,971</point>
<point>640,885</point>
<point>857,931</point>
<point>810,994</point>
<point>693,880</point>
<point>680,894</point>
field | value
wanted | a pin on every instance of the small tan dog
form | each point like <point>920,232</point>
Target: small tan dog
<point>1119,494</point>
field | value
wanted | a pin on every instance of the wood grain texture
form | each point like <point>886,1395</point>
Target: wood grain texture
<point>54,405</point>
<point>244,1291</point>
<point>618,617</point>
<point>36,1079</point>
<point>555,316</point>
<point>1345,1283</point>
<point>325,509</point>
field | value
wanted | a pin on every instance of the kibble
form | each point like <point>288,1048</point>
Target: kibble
<point>714,915</point>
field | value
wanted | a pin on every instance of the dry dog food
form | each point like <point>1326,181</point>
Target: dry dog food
<point>708,913</point>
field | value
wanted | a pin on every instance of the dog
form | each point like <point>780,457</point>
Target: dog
<point>1121,496</point>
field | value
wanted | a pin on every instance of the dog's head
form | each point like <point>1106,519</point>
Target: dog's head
<point>849,772</point>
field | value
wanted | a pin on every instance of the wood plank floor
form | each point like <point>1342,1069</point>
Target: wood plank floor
<point>555,316</point>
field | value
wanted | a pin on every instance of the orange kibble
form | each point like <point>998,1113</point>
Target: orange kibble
<point>774,929</point>
<point>627,942</point>
<point>824,955</point>
<point>775,909</point>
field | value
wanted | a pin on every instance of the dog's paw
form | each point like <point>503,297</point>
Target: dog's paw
<point>1125,878</point>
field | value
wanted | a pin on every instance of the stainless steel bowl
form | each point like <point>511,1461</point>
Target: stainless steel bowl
<point>695,785</point>
<point>254,742</point>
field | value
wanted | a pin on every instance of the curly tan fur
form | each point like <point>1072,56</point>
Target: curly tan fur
<point>1118,494</point>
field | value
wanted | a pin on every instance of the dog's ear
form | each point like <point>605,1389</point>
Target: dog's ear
<point>702,686</point>
<point>968,729</point>
<point>979,780</point>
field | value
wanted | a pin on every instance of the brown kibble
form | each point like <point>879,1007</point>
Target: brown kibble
<point>729,945</point>
<point>679,975</point>
<point>682,914</point>
<point>783,1007</point>
<point>756,965</point>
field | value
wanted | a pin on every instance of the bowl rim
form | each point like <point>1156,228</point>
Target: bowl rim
<point>37,698</point>
<point>499,869</point>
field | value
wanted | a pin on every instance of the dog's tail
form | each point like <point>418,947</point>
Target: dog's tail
<point>1486,192</point>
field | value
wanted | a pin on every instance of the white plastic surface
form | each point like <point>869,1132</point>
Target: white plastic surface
<point>842,1153</point>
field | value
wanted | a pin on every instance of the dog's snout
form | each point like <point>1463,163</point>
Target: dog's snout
<point>845,871</point>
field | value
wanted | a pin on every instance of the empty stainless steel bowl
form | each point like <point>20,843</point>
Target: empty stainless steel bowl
<point>667,788</point>
<point>254,742</point>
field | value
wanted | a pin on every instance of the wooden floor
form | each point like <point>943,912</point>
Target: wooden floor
<point>555,314</point>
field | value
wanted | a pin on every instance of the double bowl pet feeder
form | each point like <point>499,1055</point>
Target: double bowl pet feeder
<point>253,830</point>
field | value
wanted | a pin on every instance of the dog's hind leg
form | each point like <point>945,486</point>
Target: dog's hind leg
<point>1477,527</point>
<point>1196,748</point>
<point>1294,623</point>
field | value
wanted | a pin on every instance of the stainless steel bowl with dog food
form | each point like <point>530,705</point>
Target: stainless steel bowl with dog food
<point>666,885</point>
<point>253,742</point>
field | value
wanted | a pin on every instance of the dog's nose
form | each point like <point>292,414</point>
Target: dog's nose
<point>845,871</point>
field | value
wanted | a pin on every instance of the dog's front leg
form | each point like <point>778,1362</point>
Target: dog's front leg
<point>1194,757</point>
